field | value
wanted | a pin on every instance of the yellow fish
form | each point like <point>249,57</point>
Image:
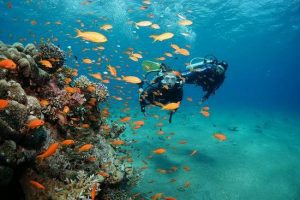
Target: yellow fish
<point>169,106</point>
<point>46,63</point>
<point>91,36</point>
<point>131,79</point>
<point>155,26</point>
<point>182,51</point>
<point>106,27</point>
<point>143,23</point>
<point>162,37</point>
<point>185,22</point>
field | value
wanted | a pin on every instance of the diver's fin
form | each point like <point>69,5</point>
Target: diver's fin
<point>170,117</point>
<point>150,66</point>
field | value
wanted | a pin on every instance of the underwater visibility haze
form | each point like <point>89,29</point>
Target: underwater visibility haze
<point>71,124</point>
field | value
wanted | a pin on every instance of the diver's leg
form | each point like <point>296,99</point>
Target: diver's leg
<point>170,116</point>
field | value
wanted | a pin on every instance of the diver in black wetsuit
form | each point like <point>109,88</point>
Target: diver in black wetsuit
<point>209,74</point>
<point>166,87</point>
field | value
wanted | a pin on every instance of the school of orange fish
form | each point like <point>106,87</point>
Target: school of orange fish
<point>135,56</point>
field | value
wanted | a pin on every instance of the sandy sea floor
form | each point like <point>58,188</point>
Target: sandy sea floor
<point>259,160</point>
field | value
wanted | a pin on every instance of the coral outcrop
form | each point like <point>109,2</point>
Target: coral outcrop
<point>46,109</point>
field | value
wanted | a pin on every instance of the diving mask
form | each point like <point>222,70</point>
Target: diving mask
<point>220,69</point>
<point>169,79</point>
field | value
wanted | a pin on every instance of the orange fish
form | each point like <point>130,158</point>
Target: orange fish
<point>49,152</point>
<point>117,98</point>
<point>112,70</point>
<point>105,127</point>
<point>35,123</point>
<point>160,58</point>
<point>204,113</point>
<point>186,168</point>
<point>175,46</point>
<point>87,61</point>
<point>133,58</point>
<point>96,76</point>
<point>155,26</point>
<point>171,106</point>
<point>91,88</point>
<point>220,136</point>
<point>105,112</point>
<point>185,22</point>
<point>125,119</point>
<point>162,37</point>
<point>46,63</point>
<point>66,109</point>
<point>137,126</point>
<point>182,142</point>
<point>67,142</point>
<point>159,151</point>
<point>92,101</point>
<point>106,27</point>
<point>8,64</point>
<point>170,198</point>
<point>75,72</point>
<point>3,104</point>
<point>168,54</point>
<point>91,159</point>
<point>91,36</point>
<point>44,102</point>
<point>157,196</point>
<point>182,51</point>
<point>72,89</point>
<point>117,142</point>
<point>68,80</point>
<point>139,123</point>
<point>37,185</point>
<point>93,192</point>
<point>85,126</point>
<point>176,73</point>
<point>104,174</point>
<point>131,79</point>
<point>85,147</point>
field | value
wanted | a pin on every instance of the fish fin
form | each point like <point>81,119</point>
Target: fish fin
<point>154,37</point>
<point>78,33</point>
<point>136,26</point>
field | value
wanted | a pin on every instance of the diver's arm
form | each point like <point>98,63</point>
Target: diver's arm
<point>213,89</point>
<point>207,95</point>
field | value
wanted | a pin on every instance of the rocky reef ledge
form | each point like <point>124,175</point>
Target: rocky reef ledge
<point>56,141</point>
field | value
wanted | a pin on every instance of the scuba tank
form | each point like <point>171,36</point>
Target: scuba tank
<point>208,59</point>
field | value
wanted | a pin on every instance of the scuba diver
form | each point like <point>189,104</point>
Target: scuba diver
<point>209,73</point>
<point>165,88</point>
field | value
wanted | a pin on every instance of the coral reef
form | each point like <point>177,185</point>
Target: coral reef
<point>52,53</point>
<point>46,110</point>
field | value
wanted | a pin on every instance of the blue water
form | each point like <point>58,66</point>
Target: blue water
<point>261,42</point>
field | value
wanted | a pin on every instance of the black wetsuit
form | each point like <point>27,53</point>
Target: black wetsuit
<point>157,92</point>
<point>208,79</point>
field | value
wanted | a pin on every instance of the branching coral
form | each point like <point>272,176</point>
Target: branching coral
<point>93,90</point>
